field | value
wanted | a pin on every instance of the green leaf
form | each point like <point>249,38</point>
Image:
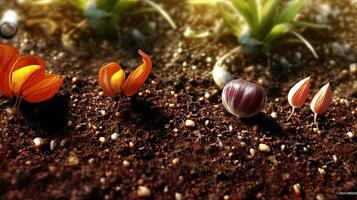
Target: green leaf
<point>310,25</point>
<point>276,32</point>
<point>255,9</point>
<point>118,9</point>
<point>232,22</point>
<point>307,43</point>
<point>246,12</point>
<point>162,12</point>
<point>106,5</point>
<point>80,4</point>
<point>288,14</point>
<point>269,10</point>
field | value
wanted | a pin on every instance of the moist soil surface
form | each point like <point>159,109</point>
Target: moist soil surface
<point>97,147</point>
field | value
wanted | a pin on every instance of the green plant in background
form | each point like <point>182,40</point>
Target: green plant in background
<point>107,14</point>
<point>258,24</point>
<point>103,16</point>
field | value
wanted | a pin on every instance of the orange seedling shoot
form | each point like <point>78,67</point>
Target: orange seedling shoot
<point>298,94</point>
<point>113,82</point>
<point>321,102</point>
<point>25,77</point>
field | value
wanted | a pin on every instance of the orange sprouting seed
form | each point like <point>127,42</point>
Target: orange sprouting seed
<point>321,102</point>
<point>8,57</point>
<point>112,77</point>
<point>25,77</point>
<point>298,94</point>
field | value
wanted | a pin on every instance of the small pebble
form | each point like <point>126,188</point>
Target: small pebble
<point>102,140</point>
<point>334,157</point>
<point>226,197</point>
<point>274,115</point>
<point>190,123</point>
<point>131,144</point>
<point>350,134</point>
<point>102,112</point>
<point>166,189</point>
<point>207,95</point>
<point>282,147</point>
<point>175,161</point>
<point>9,111</point>
<point>320,197</point>
<point>141,181</point>
<point>38,142</point>
<point>90,161</point>
<point>72,160</point>
<point>114,136</point>
<point>206,122</point>
<point>178,196</point>
<point>321,171</point>
<point>297,189</point>
<point>252,152</point>
<point>353,68</point>
<point>53,145</point>
<point>143,191</point>
<point>126,163</point>
<point>264,147</point>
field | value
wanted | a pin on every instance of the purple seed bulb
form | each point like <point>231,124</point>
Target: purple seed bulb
<point>243,98</point>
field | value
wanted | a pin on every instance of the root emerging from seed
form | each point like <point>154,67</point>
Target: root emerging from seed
<point>315,122</point>
<point>292,112</point>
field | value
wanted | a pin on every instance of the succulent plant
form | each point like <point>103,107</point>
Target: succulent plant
<point>258,24</point>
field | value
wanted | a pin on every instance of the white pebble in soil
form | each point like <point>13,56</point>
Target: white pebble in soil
<point>175,161</point>
<point>178,196</point>
<point>274,115</point>
<point>252,152</point>
<point>297,189</point>
<point>38,142</point>
<point>102,140</point>
<point>350,134</point>
<point>320,197</point>
<point>126,163</point>
<point>143,191</point>
<point>53,145</point>
<point>353,68</point>
<point>190,123</point>
<point>114,136</point>
<point>264,147</point>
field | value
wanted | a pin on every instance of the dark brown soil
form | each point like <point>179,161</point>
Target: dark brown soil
<point>213,159</point>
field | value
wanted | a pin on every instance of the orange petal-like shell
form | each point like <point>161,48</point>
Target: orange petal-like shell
<point>137,78</point>
<point>37,76</point>
<point>20,76</point>
<point>27,60</point>
<point>105,74</point>
<point>117,81</point>
<point>322,99</point>
<point>299,93</point>
<point>8,57</point>
<point>44,89</point>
